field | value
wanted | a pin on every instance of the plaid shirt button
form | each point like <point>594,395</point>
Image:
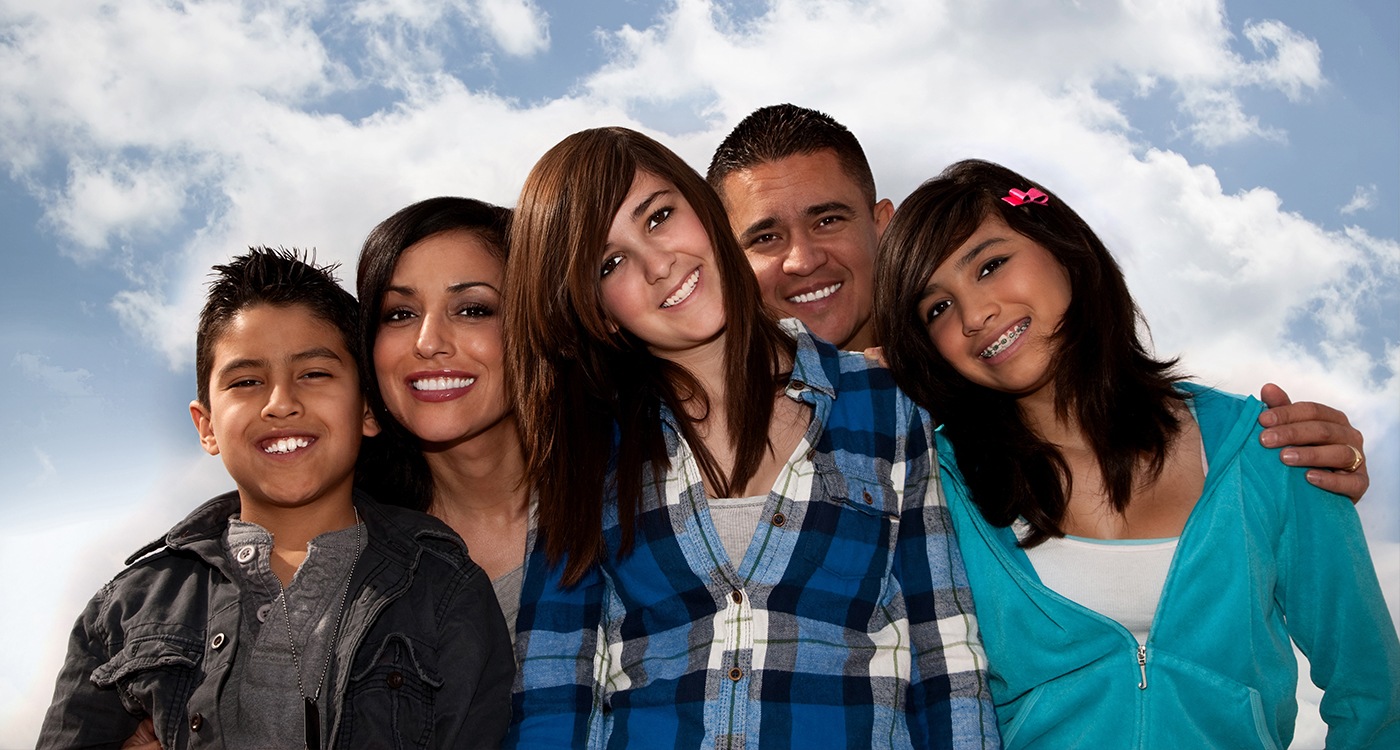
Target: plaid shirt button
<point>779,519</point>
<point>736,674</point>
<point>737,597</point>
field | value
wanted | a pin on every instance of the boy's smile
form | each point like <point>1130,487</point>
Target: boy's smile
<point>285,412</point>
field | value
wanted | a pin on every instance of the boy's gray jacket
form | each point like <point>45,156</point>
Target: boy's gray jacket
<point>429,661</point>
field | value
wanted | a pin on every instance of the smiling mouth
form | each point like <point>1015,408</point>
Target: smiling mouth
<point>683,294</point>
<point>283,446</point>
<point>1005,340</point>
<point>441,384</point>
<point>822,293</point>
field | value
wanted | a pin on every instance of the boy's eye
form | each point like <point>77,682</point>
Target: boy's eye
<point>317,374</point>
<point>609,264</point>
<point>991,266</point>
<point>658,217</point>
<point>244,383</point>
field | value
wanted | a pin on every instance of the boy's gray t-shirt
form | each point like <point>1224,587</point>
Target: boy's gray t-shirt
<point>262,706</point>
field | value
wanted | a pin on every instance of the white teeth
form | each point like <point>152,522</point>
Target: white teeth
<point>1000,344</point>
<point>442,384</point>
<point>286,445</point>
<point>683,293</point>
<point>822,293</point>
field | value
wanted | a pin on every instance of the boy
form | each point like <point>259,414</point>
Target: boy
<point>292,612</point>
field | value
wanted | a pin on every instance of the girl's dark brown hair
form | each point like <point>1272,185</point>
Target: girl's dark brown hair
<point>391,465</point>
<point>587,396</point>
<point>1104,376</point>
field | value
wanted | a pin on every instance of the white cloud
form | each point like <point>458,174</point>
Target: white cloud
<point>1364,199</point>
<point>116,198</point>
<point>74,383</point>
<point>45,473</point>
<point>519,26</point>
<point>1296,63</point>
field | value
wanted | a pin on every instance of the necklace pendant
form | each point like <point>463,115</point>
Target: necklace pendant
<point>313,725</point>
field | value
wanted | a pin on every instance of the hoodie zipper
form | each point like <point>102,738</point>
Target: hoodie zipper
<point>1142,665</point>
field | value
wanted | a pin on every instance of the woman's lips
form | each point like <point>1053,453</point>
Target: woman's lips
<point>438,386</point>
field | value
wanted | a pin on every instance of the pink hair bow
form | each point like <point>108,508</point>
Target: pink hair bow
<point>1016,197</point>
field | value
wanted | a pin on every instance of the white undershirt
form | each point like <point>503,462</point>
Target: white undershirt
<point>1121,579</point>
<point>736,519</point>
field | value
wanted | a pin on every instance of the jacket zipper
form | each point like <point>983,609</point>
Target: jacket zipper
<point>1142,665</point>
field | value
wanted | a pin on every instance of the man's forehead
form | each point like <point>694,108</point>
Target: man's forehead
<point>790,184</point>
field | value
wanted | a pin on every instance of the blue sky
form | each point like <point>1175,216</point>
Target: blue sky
<point>1240,157</point>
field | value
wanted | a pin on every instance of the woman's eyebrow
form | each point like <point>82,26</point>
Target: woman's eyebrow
<point>645,204</point>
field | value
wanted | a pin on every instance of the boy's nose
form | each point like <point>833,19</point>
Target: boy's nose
<point>282,402</point>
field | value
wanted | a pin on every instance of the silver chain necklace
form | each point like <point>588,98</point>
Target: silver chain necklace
<point>313,715</point>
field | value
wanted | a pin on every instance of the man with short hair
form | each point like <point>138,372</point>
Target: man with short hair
<point>801,200</point>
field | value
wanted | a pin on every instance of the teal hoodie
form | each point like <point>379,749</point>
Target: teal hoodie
<point>1263,556</point>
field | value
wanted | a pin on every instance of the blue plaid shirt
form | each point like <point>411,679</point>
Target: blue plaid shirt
<point>848,623</point>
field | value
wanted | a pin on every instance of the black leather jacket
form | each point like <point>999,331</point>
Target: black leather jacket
<point>432,665</point>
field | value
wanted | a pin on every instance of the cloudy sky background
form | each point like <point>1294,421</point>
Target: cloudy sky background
<point>1240,157</point>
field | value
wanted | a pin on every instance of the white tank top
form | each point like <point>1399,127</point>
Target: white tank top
<point>1121,579</point>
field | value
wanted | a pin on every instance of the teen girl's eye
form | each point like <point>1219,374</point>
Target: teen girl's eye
<point>990,266</point>
<point>609,264</point>
<point>397,315</point>
<point>936,309</point>
<point>659,217</point>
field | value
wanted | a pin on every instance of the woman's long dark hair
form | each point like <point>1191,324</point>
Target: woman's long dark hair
<point>391,465</point>
<point>1104,377</point>
<point>580,386</point>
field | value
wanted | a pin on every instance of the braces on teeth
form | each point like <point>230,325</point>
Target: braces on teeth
<point>1005,340</point>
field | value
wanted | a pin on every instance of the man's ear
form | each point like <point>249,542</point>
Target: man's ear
<point>204,424</point>
<point>884,211</point>
<point>370,426</point>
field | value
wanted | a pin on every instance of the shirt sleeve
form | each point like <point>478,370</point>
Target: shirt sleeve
<point>83,714</point>
<point>1336,614</point>
<point>476,692</point>
<point>557,702</point>
<point>950,703</point>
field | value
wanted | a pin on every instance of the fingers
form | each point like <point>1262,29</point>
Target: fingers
<point>1334,457</point>
<point>144,738</point>
<point>1328,466</point>
<point>1303,411</point>
<point>1353,485</point>
<point>1316,433</point>
<point>1273,396</point>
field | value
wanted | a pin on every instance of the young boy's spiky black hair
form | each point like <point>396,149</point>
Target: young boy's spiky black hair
<point>271,276</point>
